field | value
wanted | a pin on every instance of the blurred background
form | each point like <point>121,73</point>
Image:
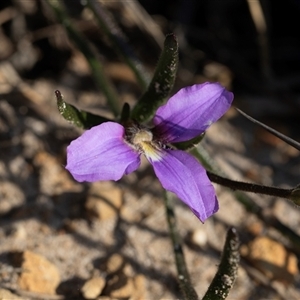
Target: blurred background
<point>251,47</point>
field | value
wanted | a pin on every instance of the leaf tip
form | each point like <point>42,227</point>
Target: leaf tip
<point>171,40</point>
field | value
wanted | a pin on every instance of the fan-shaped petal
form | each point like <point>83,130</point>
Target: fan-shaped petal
<point>191,111</point>
<point>180,173</point>
<point>101,154</point>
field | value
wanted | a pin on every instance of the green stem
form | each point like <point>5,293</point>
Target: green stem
<point>278,134</point>
<point>161,83</point>
<point>250,187</point>
<point>96,67</point>
<point>185,284</point>
<point>227,271</point>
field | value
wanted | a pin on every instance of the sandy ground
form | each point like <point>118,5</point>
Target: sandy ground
<point>118,231</point>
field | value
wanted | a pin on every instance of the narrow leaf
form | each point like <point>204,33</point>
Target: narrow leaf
<point>79,118</point>
<point>227,271</point>
<point>125,114</point>
<point>162,81</point>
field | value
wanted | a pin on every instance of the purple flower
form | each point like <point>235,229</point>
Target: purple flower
<point>108,151</point>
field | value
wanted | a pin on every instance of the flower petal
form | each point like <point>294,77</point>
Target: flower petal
<point>101,154</point>
<point>180,173</point>
<point>191,111</point>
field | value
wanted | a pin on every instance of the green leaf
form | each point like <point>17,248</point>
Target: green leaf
<point>75,116</point>
<point>190,144</point>
<point>125,114</point>
<point>161,83</point>
<point>227,271</point>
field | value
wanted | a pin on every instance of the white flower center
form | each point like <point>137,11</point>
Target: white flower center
<point>142,136</point>
<point>144,140</point>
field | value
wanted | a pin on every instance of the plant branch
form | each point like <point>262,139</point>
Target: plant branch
<point>280,135</point>
<point>185,284</point>
<point>250,187</point>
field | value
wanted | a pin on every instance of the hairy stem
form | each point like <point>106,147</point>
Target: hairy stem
<point>227,271</point>
<point>250,187</point>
